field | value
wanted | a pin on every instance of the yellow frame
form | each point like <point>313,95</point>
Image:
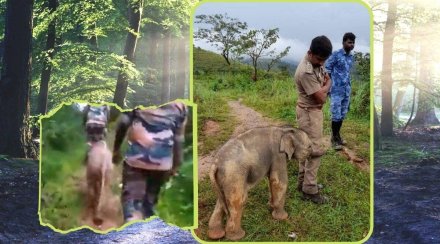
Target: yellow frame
<point>195,186</point>
<point>371,92</point>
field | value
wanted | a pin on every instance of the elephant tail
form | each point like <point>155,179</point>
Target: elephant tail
<point>218,189</point>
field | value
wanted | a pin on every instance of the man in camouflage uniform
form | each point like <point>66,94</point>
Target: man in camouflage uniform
<point>312,85</point>
<point>338,66</point>
<point>155,138</point>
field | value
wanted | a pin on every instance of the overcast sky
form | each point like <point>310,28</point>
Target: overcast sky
<point>299,23</point>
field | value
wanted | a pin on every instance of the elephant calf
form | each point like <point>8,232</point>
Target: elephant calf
<point>243,162</point>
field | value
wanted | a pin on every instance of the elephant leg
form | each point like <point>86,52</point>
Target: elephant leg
<point>278,186</point>
<point>235,203</point>
<point>270,193</point>
<point>216,229</point>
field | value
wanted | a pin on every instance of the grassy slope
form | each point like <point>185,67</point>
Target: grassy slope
<point>345,218</point>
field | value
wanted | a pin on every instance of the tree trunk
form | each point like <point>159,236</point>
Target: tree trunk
<point>16,140</point>
<point>386,76</point>
<point>134,20</point>
<point>411,56</point>
<point>47,67</point>
<point>166,68</point>
<point>377,135</point>
<point>254,76</point>
<point>181,68</point>
<point>152,48</point>
<point>425,110</point>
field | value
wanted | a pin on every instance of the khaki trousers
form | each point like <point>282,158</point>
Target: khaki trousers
<point>311,122</point>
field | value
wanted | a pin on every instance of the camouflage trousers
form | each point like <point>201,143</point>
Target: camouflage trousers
<point>140,190</point>
<point>340,102</point>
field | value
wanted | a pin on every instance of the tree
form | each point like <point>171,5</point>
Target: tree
<point>15,81</point>
<point>425,110</point>
<point>224,32</point>
<point>166,82</point>
<point>276,58</point>
<point>386,76</point>
<point>377,135</point>
<point>47,67</point>
<point>256,44</point>
<point>134,19</point>
<point>182,68</point>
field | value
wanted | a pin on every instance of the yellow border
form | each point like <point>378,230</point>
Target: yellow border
<point>195,185</point>
<point>371,94</point>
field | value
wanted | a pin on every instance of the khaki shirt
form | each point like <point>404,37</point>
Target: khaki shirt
<point>308,80</point>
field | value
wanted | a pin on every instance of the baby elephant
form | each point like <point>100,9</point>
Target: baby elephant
<point>99,169</point>
<point>243,162</point>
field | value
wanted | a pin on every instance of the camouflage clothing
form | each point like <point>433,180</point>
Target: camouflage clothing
<point>338,66</point>
<point>151,137</point>
<point>155,138</point>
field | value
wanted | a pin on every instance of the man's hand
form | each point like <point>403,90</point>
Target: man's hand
<point>116,157</point>
<point>327,79</point>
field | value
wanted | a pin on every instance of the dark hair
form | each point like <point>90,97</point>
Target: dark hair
<point>321,46</point>
<point>348,35</point>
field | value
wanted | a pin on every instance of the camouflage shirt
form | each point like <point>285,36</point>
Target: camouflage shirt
<point>339,65</point>
<point>152,135</point>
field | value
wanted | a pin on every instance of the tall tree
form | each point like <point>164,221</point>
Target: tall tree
<point>223,33</point>
<point>47,67</point>
<point>256,44</point>
<point>386,76</point>
<point>409,67</point>
<point>181,68</point>
<point>425,110</point>
<point>134,20</point>
<point>166,75</point>
<point>15,134</point>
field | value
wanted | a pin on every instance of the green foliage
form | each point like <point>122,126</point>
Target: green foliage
<point>176,201</point>
<point>63,151</point>
<point>361,66</point>
<point>360,100</point>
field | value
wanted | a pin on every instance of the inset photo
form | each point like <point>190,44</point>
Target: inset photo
<point>283,94</point>
<point>101,167</point>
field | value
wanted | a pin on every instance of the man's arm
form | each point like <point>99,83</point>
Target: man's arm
<point>179,139</point>
<point>330,63</point>
<point>121,130</point>
<point>321,95</point>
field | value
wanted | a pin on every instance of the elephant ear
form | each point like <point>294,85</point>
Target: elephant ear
<point>286,145</point>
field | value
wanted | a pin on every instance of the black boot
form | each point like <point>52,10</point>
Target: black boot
<point>336,143</point>
<point>341,141</point>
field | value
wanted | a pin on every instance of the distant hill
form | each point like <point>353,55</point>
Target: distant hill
<point>284,64</point>
<point>208,62</point>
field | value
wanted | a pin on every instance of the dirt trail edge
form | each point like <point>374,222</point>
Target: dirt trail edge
<point>247,118</point>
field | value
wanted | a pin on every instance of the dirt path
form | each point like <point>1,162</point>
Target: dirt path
<point>406,194</point>
<point>248,118</point>
<point>20,221</point>
<point>110,210</point>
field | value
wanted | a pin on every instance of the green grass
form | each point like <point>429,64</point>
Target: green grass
<point>344,218</point>
<point>397,152</point>
<point>214,108</point>
<point>63,175</point>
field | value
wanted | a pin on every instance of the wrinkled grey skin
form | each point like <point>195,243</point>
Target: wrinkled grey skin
<point>243,162</point>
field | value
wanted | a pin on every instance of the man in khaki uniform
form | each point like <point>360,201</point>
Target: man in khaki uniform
<point>312,84</point>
